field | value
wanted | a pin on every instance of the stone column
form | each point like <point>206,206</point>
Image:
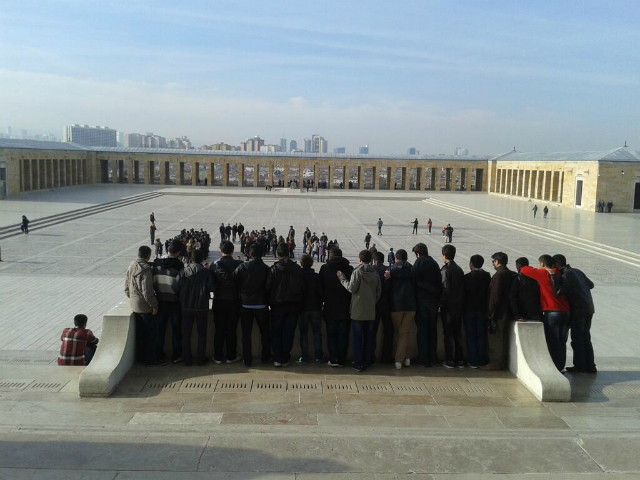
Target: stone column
<point>391,178</point>
<point>194,172</point>
<point>211,169</point>
<point>286,175</point>
<point>438,172</point>
<point>148,172</point>
<point>404,180</point>
<point>315,175</point>
<point>375,180</point>
<point>256,174</point>
<point>468,171</point>
<point>270,177</point>
<point>163,172</point>
<point>361,171</point>
<point>300,176</point>
<point>331,173</point>
<point>225,174</point>
<point>62,171</point>
<point>130,173</point>
<point>544,185</point>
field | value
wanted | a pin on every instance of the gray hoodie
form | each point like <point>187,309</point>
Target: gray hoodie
<point>138,286</point>
<point>365,289</point>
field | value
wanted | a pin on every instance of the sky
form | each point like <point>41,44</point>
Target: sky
<point>483,75</point>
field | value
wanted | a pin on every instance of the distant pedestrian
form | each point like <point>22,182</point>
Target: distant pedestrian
<point>449,234</point>
<point>373,249</point>
<point>415,227</point>
<point>379,226</point>
<point>159,247</point>
<point>535,210</point>
<point>429,225</point>
<point>152,218</point>
<point>545,212</point>
<point>609,207</point>
<point>391,257</point>
<point>152,233</point>
<point>24,226</point>
<point>234,231</point>
<point>367,240</point>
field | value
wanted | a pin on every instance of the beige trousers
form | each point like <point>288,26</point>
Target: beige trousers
<point>402,328</point>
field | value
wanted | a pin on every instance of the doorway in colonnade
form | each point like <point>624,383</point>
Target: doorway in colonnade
<point>248,173</point>
<point>323,177</point>
<point>339,177</point>
<point>308,177</point>
<point>217,174</point>
<point>353,182</point>
<point>414,178</point>
<point>3,180</point>
<point>278,176</point>
<point>234,172</point>
<point>263,175</point>
<point>294,176</point>
<point>383,179</point>
<point>431,179</point>
<point>368,174</point>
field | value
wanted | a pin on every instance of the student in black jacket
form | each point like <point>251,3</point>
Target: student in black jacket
<point>451,307</point>
<point>311,311</point>
<point>337,301</point>
<point>226,305</point>
<point>194,285</point>
<point>476,296</point>
<point>252,283</point>
<point>524,296</point>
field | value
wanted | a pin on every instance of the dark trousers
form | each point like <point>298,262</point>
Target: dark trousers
<point>452,326</point>
<point>583,357</point>
<point>337,337</point>
<point>361,342</point>
<point>556,332</point>
<point>170,313</point>
<point>188,317</point>
<point>415,230</point>
<point>383,315</point>
<point>89,352</point>
<point>147,338</point>
<point>284,320</point>
<point>225,318</point>
<point>427,334</point>
<point>315,319</point>
<point>475,327</point>
<point>261,316</point>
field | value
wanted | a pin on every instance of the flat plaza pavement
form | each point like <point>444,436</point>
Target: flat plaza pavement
<point>306,422</point>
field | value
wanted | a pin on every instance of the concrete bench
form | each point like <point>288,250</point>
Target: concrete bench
<point>115,354</point>
<point>530,362</point>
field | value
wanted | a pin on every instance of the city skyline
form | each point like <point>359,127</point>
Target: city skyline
<point>424,74</point>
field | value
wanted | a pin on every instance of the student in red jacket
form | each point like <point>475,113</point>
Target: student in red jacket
<point>555,309</point>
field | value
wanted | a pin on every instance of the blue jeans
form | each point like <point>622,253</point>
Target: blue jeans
<point>337,337</point>
<point>283,327</point>
<point>427,334</point>
<point>362,342</point>
<point>315,318</point>
<point>556,332</point>
<point>89,352</point>
<point>475,327</point>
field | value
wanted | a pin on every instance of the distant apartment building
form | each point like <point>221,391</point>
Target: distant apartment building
<point>461,152</point>
<point>46,137</point>
<point>308,147</point>
<point>364,150</point>
<point>147,140</point>
<point>283,144</point>
<point>413,151</point>
<point>340,150</point>
<point>293,145</point>
<point>318,144</point>
<point>270,148</point>
<point>252,144</point>
<point>90,136</point>
<point>180,143</point>
<point>220,147</point>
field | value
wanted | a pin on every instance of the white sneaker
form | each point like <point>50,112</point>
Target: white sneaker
<point>237,359</point>
<point>398,365</point>
<point>407,362</point>
<point>277,364</point>
<point>218,362</point>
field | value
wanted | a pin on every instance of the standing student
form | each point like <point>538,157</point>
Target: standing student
<point>391,257</point>
<point>403,306</point>
<point>158,247</point>
<point>311,311</point>
<point>429,225</point>
<point>451,300</point>
<point>524,296</point>
<point>365,289</point>
<point>499,312</point>
<point>367,240</point>
<point>380,226</point>
<point>252,283</point>
<point>535,210</point>
<point>415,227</point>
<point>284,285</point>
<point>152,218</point>
<point>476,296</point>
<point>152,233</point>
<point>194,284</point>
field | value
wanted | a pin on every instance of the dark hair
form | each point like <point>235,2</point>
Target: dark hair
<point>449,251</point>
<point>421,249</point>
<point>560,261</point>
<point>546,260</point>
<point>197,256</point>
<point>255,250</point>
<point>144,252</point>
<point>306,261</point>
<point>401,255</point>
<point>477,261</point>
<point>283,250</point>
<point>226,247</point>
<point>378,257</point>
<point>175,247</point>
<point>501,257</point>
<point>365,256</point>
<point>522,262</point>
<point>335,252</point>
<point>80,320</point>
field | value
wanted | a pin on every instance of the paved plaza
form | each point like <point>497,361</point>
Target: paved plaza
<point>306,422</point>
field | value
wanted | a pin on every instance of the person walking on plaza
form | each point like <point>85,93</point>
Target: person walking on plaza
<point>311,311</point>
<point>415,227</point>
<point>222,233</point>
<point>367,240</point>
<point>476,295</point>
<point>165,274</point>
<point>152,233</point>
<point>535,210</point>
<point>449,233</point>
<point>364,286</point>
<point>226,306</point>
<point>524,295</point>
<point>252,283</point>
<point>555,309</point>
<point>403,305</point>
<point>158,247</point>
<point>383,315</point>
<point>429,225</point>
<point>138,287</point>
<point>391,257</point>
<point>336,300</point>
<point>152,218</point>
<point>227,232</point>
<point>545,212</point>
<point>24,226</point>
<point>498,312</point>
<point>284,285</point>
<point>451,300</point>
<point>194,284</point>
<point>373,249</point>
<point>380,223</point>
<point>576,286</point>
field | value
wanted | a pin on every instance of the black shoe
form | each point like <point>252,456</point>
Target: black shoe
<point>160,363</point>
<point>448,364</point>
<point>592,370</point>
<point>574,370</point>
<point>248,365</point>
<point>359,369</point>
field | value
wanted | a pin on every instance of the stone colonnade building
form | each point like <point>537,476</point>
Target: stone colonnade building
<point>578,179</point>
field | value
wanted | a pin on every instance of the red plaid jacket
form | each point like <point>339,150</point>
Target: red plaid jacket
<point>74,343</point>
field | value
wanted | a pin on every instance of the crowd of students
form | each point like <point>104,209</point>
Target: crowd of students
<point>475,308</point>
